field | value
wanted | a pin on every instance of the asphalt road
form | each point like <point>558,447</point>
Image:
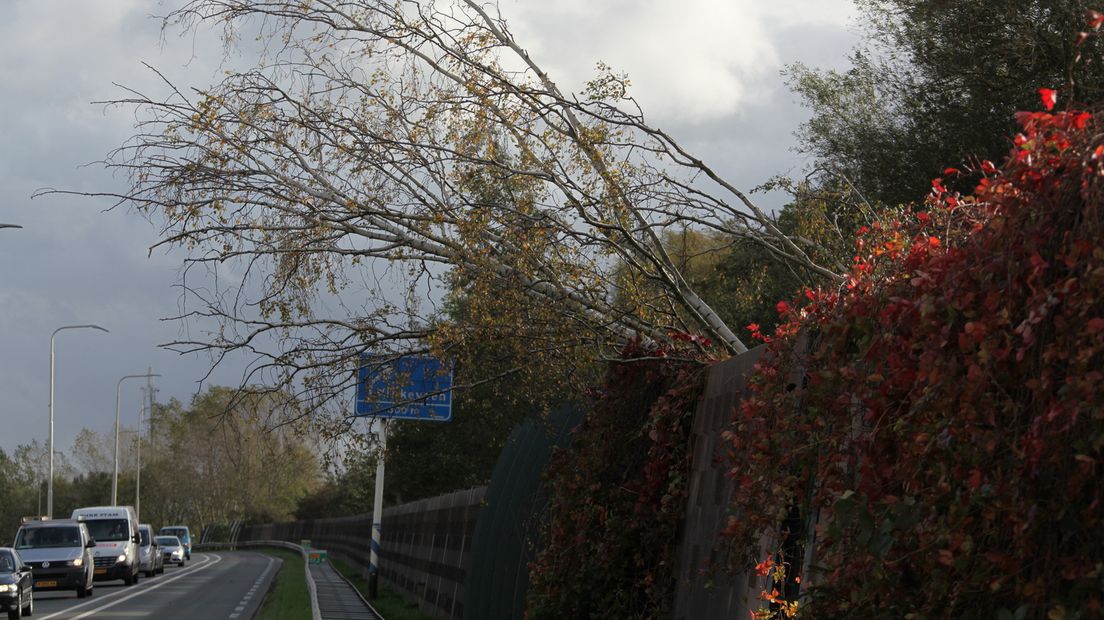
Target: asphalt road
<point>212,586</point>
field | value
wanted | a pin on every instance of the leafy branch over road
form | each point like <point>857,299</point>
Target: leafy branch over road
<point>362,143</point>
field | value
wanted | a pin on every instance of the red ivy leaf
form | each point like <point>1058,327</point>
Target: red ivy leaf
<point>975,479</point>
<point>782,307</point>
<point>1095,19</point>
<point>1080,120</point>
<point>1096,325</point>
<point>1049,97</point>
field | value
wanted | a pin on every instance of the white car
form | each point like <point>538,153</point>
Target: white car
<point>183,533</point>
<point>172,551</point>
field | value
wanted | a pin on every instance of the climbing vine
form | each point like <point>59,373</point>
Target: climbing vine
<point>937,423</point>
<point>617,497</point>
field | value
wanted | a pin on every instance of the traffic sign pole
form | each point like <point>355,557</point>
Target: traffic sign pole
<point>412,388</point>
<point>377,515</point>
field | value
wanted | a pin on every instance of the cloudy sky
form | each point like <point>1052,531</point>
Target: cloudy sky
<point>705,70</point>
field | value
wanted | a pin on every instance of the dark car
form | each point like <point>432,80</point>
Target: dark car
<point>59,553</point>
<point>16,584</point>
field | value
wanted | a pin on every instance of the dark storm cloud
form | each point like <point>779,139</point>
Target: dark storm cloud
<point>73,262</point>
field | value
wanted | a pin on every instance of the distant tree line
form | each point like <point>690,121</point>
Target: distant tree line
<point>219,459</point>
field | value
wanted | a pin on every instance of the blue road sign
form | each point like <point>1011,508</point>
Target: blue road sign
<point>407,388</point>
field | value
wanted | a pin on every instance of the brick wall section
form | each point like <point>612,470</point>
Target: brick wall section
<point>702,591</point>
<point>424,551</point>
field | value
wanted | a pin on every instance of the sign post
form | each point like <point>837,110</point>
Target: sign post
<point>404,388</point>
<point>377,518</point>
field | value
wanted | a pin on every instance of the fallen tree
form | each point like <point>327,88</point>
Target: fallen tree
<point>421,140</point>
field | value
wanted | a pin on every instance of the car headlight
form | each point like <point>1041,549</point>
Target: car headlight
<point>121,558</point>
<point>76,562</point>
<point>8,587</point>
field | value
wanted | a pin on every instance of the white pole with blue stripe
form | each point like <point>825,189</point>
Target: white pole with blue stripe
<point>377,514</point>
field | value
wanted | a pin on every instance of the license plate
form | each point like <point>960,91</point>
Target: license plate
<point>100,571</point>
<point>45,584</point>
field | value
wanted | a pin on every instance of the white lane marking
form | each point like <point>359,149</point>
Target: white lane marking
<point>186,572</point>
<point>112,595</point>
<point>256,584</point>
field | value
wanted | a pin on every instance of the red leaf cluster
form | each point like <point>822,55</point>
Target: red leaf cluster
<point>945,438</point>
<point>1049,97</point>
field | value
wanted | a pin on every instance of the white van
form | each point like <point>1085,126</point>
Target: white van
<point>115,530</point>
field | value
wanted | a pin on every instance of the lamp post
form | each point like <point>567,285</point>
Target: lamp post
<point>115,476</point>
<point>50,406</point>
<point>10,226</point>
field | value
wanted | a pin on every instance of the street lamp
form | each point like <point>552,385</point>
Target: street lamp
<point>10,226</point>
<point>50,442</point>
<point>115,476</point>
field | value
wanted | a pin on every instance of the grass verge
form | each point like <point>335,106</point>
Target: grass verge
<point>388,604</point>
<point>288,599</point>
